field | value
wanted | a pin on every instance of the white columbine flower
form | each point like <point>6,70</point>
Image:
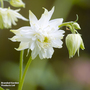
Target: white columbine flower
<point>9,17</point>
<point>17,3</point>
<point>42,36</point>
<point>74,42</point>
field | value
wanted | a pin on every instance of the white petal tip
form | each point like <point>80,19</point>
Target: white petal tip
<point>17,49</point>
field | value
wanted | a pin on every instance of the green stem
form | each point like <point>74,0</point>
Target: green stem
<point>68,24</point>
<point>65,24</point>
<point>73,30</point>
<point>24,74</point>
<point>2,4</point>
<point>21,65</point>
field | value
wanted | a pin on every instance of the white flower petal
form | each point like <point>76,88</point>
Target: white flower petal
<point>20,16</point>
<point>57,43</point>
<point>46,53</point>
<point>32,18</point>
<point>45,17</point>
<point>23,45</point>
<point>34,53</point>
<point>55,22</point>
<point>50,52</point>
<point>17,10</point>
<point>14,39</point>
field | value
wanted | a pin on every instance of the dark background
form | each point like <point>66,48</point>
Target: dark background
<point>60,72</point>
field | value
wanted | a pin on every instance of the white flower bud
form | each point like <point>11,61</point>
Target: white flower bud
<point>17,3</point>
<point>73,43</point>
<point>76,26</point>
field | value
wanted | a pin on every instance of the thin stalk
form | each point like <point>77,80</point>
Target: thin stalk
<point>68,24</point>
<point>65,24</point>
<point>24,74</point>
<point>21,65</point>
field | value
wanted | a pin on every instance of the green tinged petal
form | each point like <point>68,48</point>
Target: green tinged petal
<point>82,46</point>
<point>17,3</point>
<point>73,43</point>
<point>76,26</point>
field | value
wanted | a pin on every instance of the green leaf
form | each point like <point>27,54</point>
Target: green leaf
<point>1,88</point>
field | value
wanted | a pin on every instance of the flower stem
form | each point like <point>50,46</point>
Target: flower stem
<point>24,74</point>
<point>65,24</point>
<point>21,65</point>
<point>2,4</point>
<point>68,24</point>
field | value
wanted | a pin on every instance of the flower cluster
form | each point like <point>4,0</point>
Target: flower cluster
<point>40,37</point>
<point>43,35</point>
<point>9,16</point>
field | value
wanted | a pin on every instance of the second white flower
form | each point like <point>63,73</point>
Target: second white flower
<point>9,17</point>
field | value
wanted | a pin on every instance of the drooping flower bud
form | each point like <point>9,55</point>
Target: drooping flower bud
<point>76,25</point>
<point>17,3</point>
<point>73,43</point>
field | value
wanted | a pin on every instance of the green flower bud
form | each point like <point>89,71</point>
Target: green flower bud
<point>17,3</point>
<point>73,43</point>
<point>76,26</point>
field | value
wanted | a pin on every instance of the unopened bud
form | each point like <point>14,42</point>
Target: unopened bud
<point>17,3</point>
<point>73,43</point>
<point>76,26</point>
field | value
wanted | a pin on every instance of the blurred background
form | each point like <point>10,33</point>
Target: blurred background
<point>60,72</point>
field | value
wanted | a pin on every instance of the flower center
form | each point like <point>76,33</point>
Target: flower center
<point>46,39</point>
